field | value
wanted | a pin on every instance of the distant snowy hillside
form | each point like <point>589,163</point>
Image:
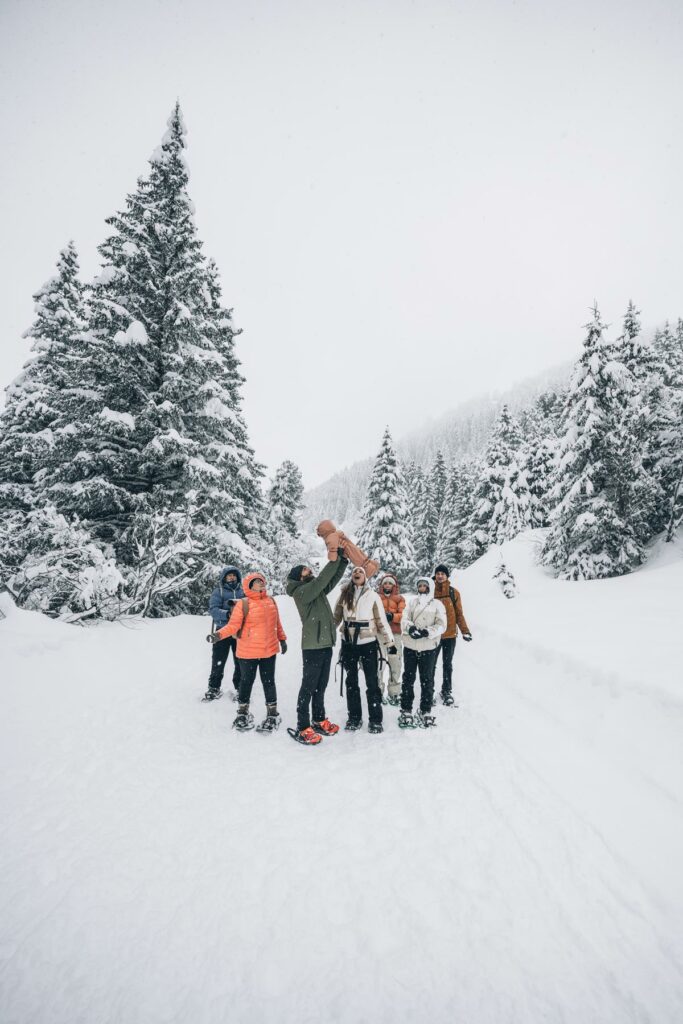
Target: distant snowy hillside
<point>519,863</point>
<point>461,432</point>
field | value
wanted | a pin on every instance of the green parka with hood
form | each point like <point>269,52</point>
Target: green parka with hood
<point>310,598</point>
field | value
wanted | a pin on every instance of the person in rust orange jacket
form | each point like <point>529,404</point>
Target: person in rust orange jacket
<point>255,622</point>
<point>452,602</point>
<point>393,603</point>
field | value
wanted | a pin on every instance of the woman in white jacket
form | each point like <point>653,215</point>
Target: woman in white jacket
<point>422,623</point>
<point>360,615</point>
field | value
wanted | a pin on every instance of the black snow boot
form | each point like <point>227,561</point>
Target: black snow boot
<point>271,721</point>
<point>353,724</point>
<point>244,720</point>
<point>375,727</point>
<point>212,694</point>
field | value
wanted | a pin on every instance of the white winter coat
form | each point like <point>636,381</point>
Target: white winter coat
<point>424,612</point>
<point>367,607</point>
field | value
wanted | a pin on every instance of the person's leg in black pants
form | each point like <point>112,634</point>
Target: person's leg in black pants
<point>427,665</point>
<point>353,703</point>
<point>248,668</point>
<point>323,679</point>
<point>232,646</point>
<point>313,684</point>
<point>408,684</point>
<point>447,648</point>
<point>266,667</point>
<point>369,656</point>
<point>219,656</point>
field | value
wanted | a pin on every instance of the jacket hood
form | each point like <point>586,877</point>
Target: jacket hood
<point>389,578</point>
<point>428,581</point>
<point>249,579</point>
<point>230,568</point>
<point>293,585</point>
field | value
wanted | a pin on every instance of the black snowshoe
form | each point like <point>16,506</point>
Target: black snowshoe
<point>394,700</point>
<point>424,720</point>
<point>272,720</point>
<point>447,700</point>
<point>406,721</point>
<point>353,724</point>
<point>212,695</point>
<point>375,727</point>
<point>244,721</point>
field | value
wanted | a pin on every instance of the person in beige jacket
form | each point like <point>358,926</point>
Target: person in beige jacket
<point>359,614</point>
<point>422,624</point>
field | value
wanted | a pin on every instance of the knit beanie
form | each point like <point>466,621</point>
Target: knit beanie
<point>442,568</point>
<point>295,573</point>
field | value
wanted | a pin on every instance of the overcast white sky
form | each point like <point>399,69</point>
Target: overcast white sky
<point>410,203</point>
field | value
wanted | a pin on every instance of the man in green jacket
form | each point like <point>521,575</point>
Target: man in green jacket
<point>318,637</point>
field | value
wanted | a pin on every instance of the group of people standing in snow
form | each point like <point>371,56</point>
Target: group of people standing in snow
<point>378,627</point>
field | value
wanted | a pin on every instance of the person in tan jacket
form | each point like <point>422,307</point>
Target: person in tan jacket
<point>362,623</point>
<point>452,602</point>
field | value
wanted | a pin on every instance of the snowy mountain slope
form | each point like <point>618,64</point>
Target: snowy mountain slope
<point>517,864</point>
<point>463,431</point>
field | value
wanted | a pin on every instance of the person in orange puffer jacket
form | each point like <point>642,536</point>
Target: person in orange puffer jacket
<point>255,622</point>
<point>393,603</point>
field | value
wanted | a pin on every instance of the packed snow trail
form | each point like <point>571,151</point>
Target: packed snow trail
<point>159,867</point>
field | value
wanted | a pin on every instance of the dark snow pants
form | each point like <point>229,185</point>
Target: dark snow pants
<point>447,648</point>
<point>425,663</point>
<point>266,669</point>
<point>219,659</point>
<point>313,685</point>
<point>365,656</point>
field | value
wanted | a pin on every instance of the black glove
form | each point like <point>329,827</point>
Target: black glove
<point>389,616</point>
<point>342,554</point>
<point>415,632</point>
<point>393,649</point>
<point>283,646</point>
<point>467,637</point>
<point>213,638</point>
<point>423,633</point>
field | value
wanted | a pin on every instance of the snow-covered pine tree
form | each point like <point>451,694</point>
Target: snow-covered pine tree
<point>163,433</point>
<point>286,546</point>
<point>414,483</point>
<point>439,482</point>
<point>636,493</point>
<point>385,526</point>
<point>38,410</point>
<point>588,538</point>
<point>668,454</point>
<point>451,545</point>
<point>426,526</point>
<point>538,455</point>
<point>501,498</point>
<point>286,496</point>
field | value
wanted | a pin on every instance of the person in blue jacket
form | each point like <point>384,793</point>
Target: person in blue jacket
<point>221,603</point>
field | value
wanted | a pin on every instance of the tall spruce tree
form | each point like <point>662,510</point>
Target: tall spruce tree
<point>668,457</point>
<point>40,400</point>
<point>385,526</point>
<point>589,538</point>
<point>455,514</point>
<point>501,498</point>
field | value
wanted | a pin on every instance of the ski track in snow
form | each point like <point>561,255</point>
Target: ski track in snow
<point>160,867</point>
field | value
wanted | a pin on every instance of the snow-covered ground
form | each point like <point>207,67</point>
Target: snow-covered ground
<point>520,863</point>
